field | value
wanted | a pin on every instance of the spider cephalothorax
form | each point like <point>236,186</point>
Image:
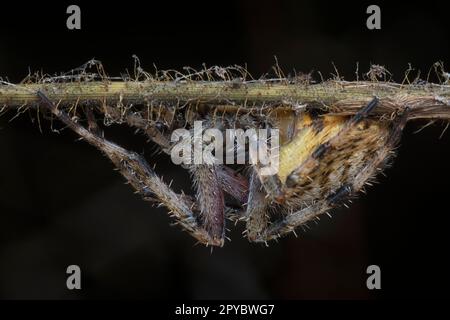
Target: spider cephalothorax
<point>323,160</point>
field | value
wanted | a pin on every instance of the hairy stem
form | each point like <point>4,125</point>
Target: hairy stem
<point>429,101</point>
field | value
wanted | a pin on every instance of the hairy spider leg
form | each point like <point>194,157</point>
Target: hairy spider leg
<point>210,180</point>
<point>141,176</point>
<point>210,199</point>
<point>256,214</point>
<point>231,182</point>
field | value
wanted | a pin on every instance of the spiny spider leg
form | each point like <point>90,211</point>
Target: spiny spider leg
<point>257,205</point>
<point>209,180</point>
<point>150,127</point>
<point>386,153</point>
<point>210,199</point>
<point>230,181</point>
<point>293,220</point>
<point>92,123</point>
<point>140,175</point>
<point>233,183</point>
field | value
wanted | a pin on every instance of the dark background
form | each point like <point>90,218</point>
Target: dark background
<point>61,203</point>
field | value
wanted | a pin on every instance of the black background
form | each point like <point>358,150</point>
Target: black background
<point>61,203</point>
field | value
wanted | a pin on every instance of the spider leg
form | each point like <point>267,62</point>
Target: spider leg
<point>140,175</point>
<point>382,155</point>
<point>151,128</point>
<point>231,182</point>
<point>256,214</point>
<point>209,180</point>
<point>210,199</point>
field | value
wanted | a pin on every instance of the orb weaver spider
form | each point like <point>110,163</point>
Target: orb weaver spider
<point>324,160</point>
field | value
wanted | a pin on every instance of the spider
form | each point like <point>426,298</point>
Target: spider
<point>324,160</point>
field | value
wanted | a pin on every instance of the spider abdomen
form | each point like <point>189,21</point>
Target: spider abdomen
<point>325,171</point>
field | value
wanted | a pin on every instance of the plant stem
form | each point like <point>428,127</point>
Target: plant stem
<point>425,101</point>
